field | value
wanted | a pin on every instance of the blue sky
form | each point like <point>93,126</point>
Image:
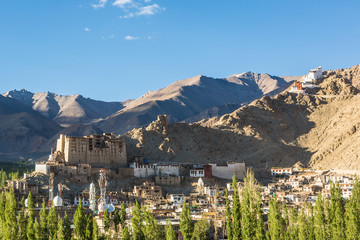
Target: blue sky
<point>119,49</point>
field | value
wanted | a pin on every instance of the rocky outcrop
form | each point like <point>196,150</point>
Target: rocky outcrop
<point>319,130</point>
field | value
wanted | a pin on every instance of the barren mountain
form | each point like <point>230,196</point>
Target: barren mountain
<point>23,129</point>
<point>189,99</point>
<point>320,130</point>
<point>66,110</point>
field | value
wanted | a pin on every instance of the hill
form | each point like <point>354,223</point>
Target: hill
<point>194,98</point>
<point>66,110</point>
<point>320,130</point>
<point>23,129</point>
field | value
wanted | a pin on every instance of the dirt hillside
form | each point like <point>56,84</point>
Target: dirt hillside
<point>320,129</point>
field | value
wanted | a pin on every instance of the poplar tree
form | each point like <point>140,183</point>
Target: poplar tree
<point>106,220</point>
<point>229,229</point>
<point>122,214</point>
<point>259,232</point>
<point>186,224</point>
<point>169,231</point>
<point>294,224</point>
<point>52,222</point>
<point>337,213</point>
<point>10,216</point>
<point>249,201</point>
<point>286,223</point>
<point>30,230</point>
<point>21,221</point>
<point>31,208</point>
<point>125,235</point>
<point>79,222</point>
<point>89,228</point>
<point>319,219</point>
<point>37,230</point>
<point>43,222</point>
<point>137,224</point>
<point>303,226</point>
<point>61,230</point>
<point>311,222</point>
<point>274,219</point>
<point>116,219</point>
<point>67,227</point>
<point>201,230</point>
<point>236,211</point>
<point>2,214</point>
<point>152,229</point>
<point>95,234</point>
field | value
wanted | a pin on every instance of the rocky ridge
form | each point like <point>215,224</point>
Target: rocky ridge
<point>319,130</point>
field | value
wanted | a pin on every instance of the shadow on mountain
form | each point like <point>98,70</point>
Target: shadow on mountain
<point>262,134</point>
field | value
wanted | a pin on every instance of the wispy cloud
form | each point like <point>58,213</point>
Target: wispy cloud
<point>99,4</point>
<point>122,3</point>
<point>87,29</point>
<point>128,37</point>
<point>149,10</point>
<point>132,8</point>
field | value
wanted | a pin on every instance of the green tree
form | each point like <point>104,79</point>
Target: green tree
<point>259,232</point>
<point>106,220</point>
<point>236,210</point>
<point>31,208</point>
<point>274,219</point>
<point>79,222</point>
<point>21,221</point>
<point>116,219</point>
<point>30,230</point>
<point>43,222</point>
<point>37,230</point>
<point>89,228</point>
<point>122,214</point>
<point>67,227</point>
<point>169,231</point>
<point>311,221</point>
<point>61,230</point>
<point>352,214</point>
<point>52,223</point>
<point>152,229</point>
<point>303,226</point>
<point>186,224</point>
<point>95,234</point>
<point>319,219</point>
<point>294,226</point>
<point>250,198</point>
<point>10,216</point>
<point>125,235</point>
<point>2,215</point>
<point>137,223</point>
<point>201,230</point>
<point>337,213</point>
<point>229,226</point>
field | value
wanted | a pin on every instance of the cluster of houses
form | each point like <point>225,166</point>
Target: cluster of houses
<point>296,186</point>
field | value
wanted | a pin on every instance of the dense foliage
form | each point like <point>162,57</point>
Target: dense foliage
<point>325,219</point>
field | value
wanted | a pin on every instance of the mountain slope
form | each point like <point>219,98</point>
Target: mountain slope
<point>23,129</point>
<point>320,130</point>
<point>186,99</point>
<point>66,110</point>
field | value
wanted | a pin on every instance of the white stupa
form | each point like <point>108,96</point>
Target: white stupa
<point>57,201</point>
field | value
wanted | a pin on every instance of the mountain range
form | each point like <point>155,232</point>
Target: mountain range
<point>246,117</point>
<point>320,129</point>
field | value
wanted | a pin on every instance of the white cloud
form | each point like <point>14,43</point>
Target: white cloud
<point>130,15</point>
<point>122,3</point>
<point>87,29</point>
<point>149,10</point>
<point>130,38</point>
<point>100,4</point>
<point>147,1</point>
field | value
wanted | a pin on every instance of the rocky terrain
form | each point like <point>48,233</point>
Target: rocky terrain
<point>320,130</point>
<point>195,98</point>
<point>66,110</point>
